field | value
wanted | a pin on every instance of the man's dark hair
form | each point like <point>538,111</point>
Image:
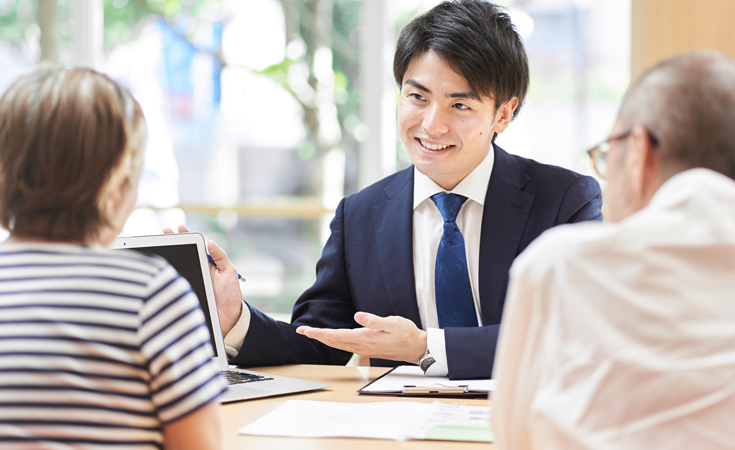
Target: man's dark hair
<point>477,40</point>
<point>688,104</point>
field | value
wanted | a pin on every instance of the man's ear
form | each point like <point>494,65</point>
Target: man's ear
<point>643,165</point>
<point>504,115</point>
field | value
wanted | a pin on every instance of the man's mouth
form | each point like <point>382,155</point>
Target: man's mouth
<point>431,146</point>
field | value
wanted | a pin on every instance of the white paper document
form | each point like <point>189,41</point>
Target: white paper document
<point>384,420</point>
<point>455,423</point>
<point>396,380</point>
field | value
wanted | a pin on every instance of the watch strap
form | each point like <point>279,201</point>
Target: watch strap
<point>426,362</point>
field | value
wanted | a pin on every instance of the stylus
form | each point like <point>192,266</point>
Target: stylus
<point>211,261</point>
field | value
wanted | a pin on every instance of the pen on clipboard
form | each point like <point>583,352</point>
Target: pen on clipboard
<point>211,261</point>
<point>436,389</point>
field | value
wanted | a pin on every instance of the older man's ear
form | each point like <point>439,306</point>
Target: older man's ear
<point>643,165</point>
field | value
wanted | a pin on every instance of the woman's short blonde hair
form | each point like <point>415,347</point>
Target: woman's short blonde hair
<point>66,137</point>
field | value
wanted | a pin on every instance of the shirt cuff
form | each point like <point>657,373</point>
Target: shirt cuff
<point>437,347</point>
<point>236,336</point>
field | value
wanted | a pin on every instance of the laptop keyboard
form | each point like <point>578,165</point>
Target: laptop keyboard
<point>235,377</point>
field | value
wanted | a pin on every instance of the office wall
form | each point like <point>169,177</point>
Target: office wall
<point>663,28</point>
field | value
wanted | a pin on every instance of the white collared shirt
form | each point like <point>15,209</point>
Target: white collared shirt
<point>428,226</point>
<point>622,335</point>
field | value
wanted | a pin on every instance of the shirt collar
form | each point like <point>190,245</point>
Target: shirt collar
<point>474,185</point>
<point>691,183</point>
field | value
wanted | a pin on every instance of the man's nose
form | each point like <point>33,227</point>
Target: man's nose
<point>435,120</point>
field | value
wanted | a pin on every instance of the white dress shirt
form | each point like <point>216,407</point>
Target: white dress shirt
<point>428,226</point>
<point>623,335</point>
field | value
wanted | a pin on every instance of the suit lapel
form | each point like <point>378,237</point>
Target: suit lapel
<point>393,220</point>
<point>504,217</point>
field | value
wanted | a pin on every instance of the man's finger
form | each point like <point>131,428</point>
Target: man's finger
<point>322,336</point>
<point>181,228</point>
<point>319,333</point>
<point>372,321</point>
<point>335,336</point>
<point>219,256</point>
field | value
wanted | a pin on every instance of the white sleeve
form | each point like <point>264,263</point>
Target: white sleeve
<point>438,348</point>
<point>518,358</point>
<point>236,336</point>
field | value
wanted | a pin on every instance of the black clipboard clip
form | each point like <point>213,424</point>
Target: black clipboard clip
<point>436,390</point>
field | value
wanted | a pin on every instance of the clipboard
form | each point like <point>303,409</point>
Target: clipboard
<point>410,381</point>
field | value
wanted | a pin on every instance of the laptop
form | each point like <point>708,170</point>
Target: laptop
<point>187,253</point>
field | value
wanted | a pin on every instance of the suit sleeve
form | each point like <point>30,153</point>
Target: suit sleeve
<point>471,351</point>
<point>327,304</point>
<point>582,201</point>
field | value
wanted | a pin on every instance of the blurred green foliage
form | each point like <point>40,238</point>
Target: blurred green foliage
<point>341,35</point>
<point>125,18</point>
<point>18,21</point>
<point>345,20</point>
<point>12,23</point>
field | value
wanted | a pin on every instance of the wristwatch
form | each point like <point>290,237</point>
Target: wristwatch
<point>426,362</point>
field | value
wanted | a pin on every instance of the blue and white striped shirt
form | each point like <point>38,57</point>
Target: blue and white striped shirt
<point>98,348</point>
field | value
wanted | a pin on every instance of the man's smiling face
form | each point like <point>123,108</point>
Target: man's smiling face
<point>445,127</point>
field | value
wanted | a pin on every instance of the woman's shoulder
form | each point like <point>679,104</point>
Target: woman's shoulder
<point>69,258</point>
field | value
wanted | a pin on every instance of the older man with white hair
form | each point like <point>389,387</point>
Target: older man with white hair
<point>622,334</point>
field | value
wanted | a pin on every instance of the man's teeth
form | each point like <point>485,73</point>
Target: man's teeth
<point>432,146</point>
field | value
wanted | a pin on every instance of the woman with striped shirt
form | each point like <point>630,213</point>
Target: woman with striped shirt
<point>98,348</point>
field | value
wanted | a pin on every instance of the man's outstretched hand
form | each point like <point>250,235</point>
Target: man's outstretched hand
<point>226,285</point>
<point>395,338</point>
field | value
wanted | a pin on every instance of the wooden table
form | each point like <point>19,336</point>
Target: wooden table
<point>344,382</point>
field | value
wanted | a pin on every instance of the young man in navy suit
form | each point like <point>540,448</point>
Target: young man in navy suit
<point>416,267</point>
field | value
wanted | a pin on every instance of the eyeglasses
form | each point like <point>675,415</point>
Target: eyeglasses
<point>598,153</point>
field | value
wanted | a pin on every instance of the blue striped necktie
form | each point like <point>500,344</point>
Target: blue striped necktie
<point>455,306</point>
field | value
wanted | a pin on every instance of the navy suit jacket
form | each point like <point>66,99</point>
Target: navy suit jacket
<point>367,263</point>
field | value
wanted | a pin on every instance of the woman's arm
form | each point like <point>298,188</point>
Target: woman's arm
<point>200,430</point>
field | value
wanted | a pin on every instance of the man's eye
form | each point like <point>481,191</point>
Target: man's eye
<point>461,106</point>
<point>416,96</point>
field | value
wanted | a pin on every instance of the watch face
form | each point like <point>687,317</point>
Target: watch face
<point>426,363</point>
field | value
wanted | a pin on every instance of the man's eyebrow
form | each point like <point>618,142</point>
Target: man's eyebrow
<point>418,85</point>
<point>469,95</point>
